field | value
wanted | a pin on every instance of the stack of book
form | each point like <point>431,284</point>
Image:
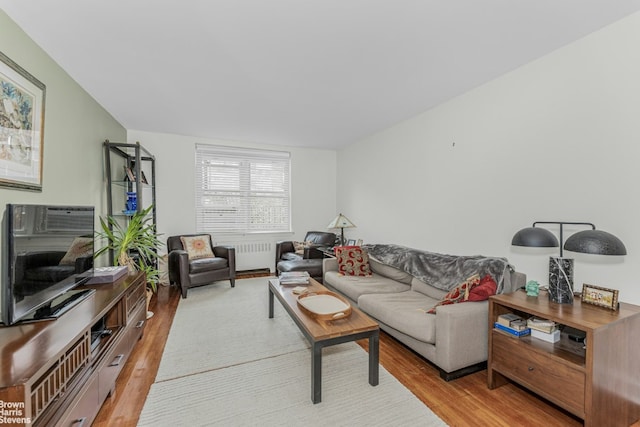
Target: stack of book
<point>294,278</point>
<point>512,324</point>
<point>544,329</point>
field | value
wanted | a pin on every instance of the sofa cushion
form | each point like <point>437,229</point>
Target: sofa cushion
<point>352,261</point>
<point>197,246</point>
<point>403,311</point>
<point>390,272</point>
<point>354,286</point>
<point>419,286</point>
<point>201,265</point>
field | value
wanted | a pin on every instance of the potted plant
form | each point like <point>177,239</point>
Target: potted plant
<point>134,245</point>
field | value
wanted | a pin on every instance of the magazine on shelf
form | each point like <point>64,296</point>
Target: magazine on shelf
<point>543,325</point>
<point>512,331</point>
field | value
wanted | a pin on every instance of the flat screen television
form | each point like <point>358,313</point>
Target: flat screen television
<point>47,251</point>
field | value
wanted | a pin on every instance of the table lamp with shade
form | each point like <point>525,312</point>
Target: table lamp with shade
<point>341,222</point>
<point>591,241</point>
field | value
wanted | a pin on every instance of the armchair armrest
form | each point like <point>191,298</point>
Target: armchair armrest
<point>283,247</point>
<point>178,265</point>
<point>228,252</point>
<point>312,252</point>
<point>461,334</point>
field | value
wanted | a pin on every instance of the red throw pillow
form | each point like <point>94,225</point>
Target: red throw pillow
<point>458,294</point>
<point>484,290</point>
<point>352,261</point>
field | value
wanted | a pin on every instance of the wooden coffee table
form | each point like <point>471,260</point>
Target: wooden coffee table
<point>325,333</point>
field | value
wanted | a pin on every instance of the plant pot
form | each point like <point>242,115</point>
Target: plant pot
<point>149,295</point>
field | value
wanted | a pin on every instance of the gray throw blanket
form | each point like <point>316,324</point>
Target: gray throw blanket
<point>441,271</point>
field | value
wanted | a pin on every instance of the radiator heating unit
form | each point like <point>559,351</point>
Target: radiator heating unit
<point>253,255</point>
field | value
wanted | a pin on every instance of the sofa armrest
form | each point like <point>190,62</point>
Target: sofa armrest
<point>329,264</point>
<point>461,334</point>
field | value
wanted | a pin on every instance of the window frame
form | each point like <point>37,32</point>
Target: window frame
<point>252,194</point>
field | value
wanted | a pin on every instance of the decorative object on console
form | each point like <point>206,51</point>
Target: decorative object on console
<point>602,297</point>
<point>341,222</point>
<point>533,288</point>
<point>107,274</point>
<point>21,126</point>
<point>561,269</point>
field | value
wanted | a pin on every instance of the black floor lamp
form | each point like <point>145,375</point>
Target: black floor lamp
<point>591,241</point>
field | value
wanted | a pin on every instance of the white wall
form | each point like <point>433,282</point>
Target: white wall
<point>313,176</point>
<point>557,139</point>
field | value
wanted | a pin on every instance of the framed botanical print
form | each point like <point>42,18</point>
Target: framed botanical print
<point>22,99</point>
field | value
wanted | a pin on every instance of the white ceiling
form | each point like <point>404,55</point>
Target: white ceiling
<point>318,73</point>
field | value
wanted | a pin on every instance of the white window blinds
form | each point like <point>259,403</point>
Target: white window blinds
<point>242,190</point>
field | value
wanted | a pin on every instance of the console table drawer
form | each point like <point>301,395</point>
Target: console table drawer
<point>539,372</point>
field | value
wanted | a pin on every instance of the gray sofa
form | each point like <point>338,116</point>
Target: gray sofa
<point>454,338</point>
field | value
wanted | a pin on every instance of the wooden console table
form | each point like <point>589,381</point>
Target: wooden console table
<point>598,381</point>
<point>54,373</point>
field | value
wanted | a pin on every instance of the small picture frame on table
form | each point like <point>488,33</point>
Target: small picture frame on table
<point>351,242</point>
<point>129,176</point>
<point>602,297</point>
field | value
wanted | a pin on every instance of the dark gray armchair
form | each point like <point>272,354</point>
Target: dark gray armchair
<point>310,260</point>
<point>188,273</point>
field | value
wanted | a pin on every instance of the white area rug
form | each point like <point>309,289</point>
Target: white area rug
<point>226,363</point>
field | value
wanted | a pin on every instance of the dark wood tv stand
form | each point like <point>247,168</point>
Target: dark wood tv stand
<point>53,373</point>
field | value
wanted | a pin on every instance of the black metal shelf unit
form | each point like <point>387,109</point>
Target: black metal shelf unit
<point>130,168</point>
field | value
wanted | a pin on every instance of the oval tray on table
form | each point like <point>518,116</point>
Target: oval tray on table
<point>324,305</point>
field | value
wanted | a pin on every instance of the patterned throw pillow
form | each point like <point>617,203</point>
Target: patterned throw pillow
<point>197,246</point>
<point>81,247</point>
<point>484,290</point>
<point>458,294</point>
<point>352,261</point>
<point>299,247</point>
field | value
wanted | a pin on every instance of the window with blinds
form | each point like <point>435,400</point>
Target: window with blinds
<point>242,190</point>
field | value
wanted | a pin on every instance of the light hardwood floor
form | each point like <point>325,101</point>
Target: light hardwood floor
<point>463,402</point>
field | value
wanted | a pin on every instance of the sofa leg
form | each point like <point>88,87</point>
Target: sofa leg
<point>448,376</point>
<point>233,282</point>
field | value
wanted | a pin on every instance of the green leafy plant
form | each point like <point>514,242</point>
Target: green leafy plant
<point>135,245</point>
